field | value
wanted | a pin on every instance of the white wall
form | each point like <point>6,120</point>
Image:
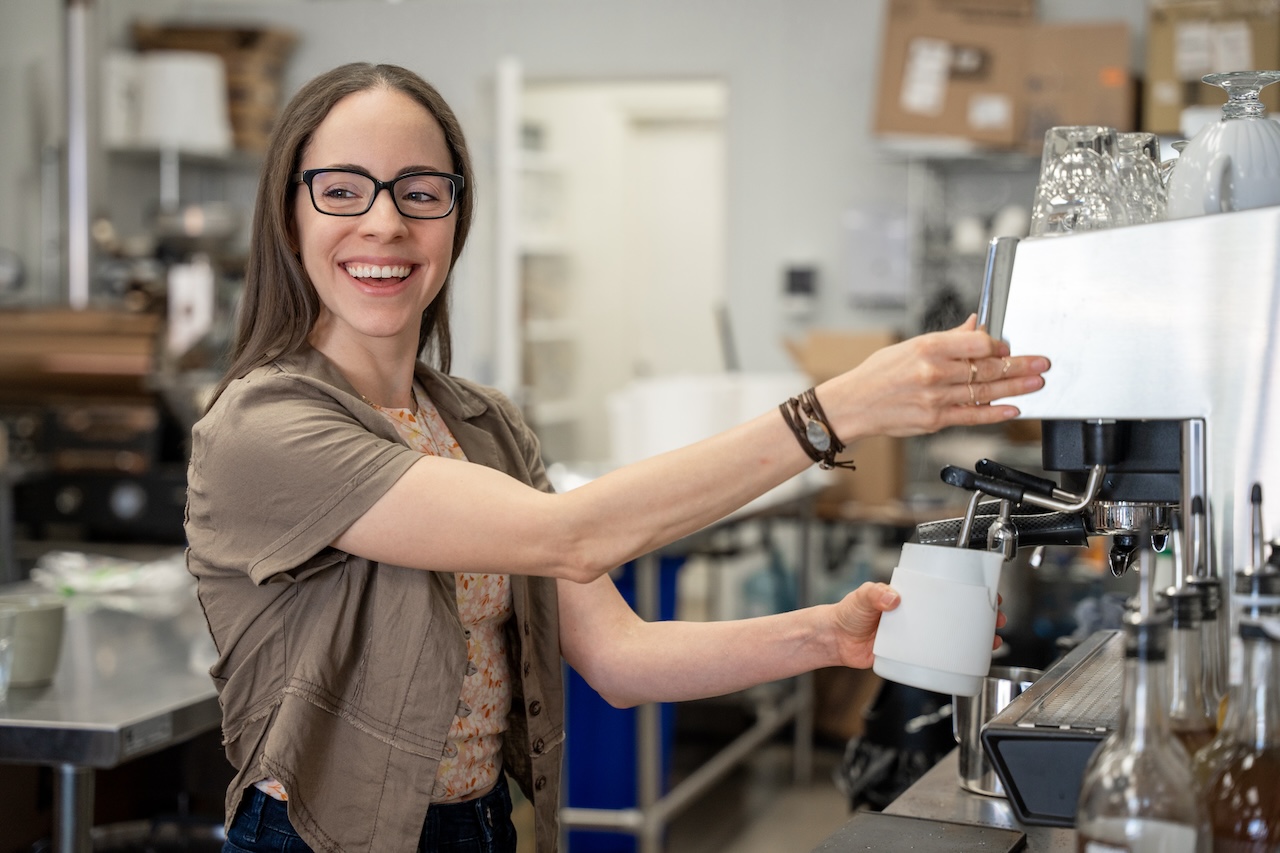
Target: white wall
<point>800,75</point>
<point>30,87</point>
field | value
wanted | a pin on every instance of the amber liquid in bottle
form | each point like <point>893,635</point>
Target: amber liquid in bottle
<point>1244,794</point>
<point>1247,820</point>
<point>1193,740</point>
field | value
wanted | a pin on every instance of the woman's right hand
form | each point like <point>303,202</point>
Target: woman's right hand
<point>930,382</point>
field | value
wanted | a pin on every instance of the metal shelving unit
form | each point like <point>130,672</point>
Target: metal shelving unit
<point>944,194</point>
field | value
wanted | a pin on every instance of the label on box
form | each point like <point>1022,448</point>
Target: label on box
<point>1192,49</point>
<point>1232,45</point>
<point>990,111</point>
<point>1202,47</point>
<point>924,83</point>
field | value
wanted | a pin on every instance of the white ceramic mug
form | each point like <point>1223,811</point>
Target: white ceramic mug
<point>1230,165</point>
<point>37,637</point>
<point>939,636</point>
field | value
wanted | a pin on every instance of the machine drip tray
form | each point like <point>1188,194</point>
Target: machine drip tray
<point>1040,743</point>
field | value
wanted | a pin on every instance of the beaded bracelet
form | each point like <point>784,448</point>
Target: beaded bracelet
<point>807,420</point>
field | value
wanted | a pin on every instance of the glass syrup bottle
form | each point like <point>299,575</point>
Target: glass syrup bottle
<point>1189,717</point>
<point>1254,586</point>
<point>1214,632</point>
<point>1255,592</point>
<point>1244,794</point>
<point>1138,794</point>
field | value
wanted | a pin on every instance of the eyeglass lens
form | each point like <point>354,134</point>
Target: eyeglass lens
<point>351,193</point>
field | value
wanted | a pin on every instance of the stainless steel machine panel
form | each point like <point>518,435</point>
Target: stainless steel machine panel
<point>1169,321</point>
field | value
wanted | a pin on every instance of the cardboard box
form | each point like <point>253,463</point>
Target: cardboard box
<point>1077,74</point>
<point>254,59</point>
<point>953,69</point>
<point>880,477</point>
<point>989,73</point>
<point>1187,39</point>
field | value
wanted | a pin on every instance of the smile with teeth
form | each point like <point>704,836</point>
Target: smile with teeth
<point>376,271</point>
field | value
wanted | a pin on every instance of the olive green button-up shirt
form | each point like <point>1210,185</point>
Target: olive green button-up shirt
<point>336,675</point>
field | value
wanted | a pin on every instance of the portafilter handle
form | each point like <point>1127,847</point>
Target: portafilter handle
<point>1043,528</point>
<point>1004,532</point>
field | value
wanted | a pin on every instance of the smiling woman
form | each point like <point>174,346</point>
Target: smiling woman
<point>389,578</point>
<point>376,266</point>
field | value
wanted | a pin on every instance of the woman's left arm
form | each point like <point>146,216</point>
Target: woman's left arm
<point>630,662</point>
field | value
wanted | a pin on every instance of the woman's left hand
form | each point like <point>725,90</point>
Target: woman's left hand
<point>929,382</point>
<point>857,618</point>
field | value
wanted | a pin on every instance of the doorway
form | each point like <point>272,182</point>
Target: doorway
<point>623,210</point>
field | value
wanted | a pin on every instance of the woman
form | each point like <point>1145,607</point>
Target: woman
<point>387,575</point>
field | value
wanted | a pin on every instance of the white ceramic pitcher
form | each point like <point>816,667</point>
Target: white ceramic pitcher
<point>939,637</point>
<point>1232,164</point>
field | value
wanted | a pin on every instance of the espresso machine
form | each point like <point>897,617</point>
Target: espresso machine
<point>1160,405</point>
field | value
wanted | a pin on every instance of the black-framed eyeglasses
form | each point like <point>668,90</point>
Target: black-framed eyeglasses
<point>417,195</point>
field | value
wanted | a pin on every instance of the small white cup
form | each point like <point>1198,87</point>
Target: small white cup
<point>37,637</point>
<point>939,636</point>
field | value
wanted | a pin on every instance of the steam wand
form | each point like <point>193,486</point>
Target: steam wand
<point>1005,532</point>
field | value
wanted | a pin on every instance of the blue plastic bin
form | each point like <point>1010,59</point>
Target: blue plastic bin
<point>600,748</point>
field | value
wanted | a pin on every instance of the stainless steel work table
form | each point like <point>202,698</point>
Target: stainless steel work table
<point>132,679</point>
<point>937,796</point>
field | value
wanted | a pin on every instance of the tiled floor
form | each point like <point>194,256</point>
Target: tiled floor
<point>758,808</point>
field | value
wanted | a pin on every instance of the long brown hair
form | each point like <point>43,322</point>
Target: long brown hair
<point>280,305</point>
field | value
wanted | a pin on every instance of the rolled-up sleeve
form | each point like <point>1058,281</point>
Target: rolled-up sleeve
<point>279,467</point>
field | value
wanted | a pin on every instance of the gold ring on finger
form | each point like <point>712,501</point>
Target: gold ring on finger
<point>1005,364</point>
<point>973,395</point>
<point>973,372</point>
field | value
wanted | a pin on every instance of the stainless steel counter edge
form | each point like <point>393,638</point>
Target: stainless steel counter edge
<point>938,796</point>
<point>107,745</point>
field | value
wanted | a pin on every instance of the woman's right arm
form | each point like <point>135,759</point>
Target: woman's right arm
<point>447,515</point>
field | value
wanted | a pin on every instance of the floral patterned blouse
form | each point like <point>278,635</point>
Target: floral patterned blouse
<point>472,758</point>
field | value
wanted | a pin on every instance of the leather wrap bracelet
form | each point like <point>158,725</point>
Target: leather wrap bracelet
<point>817,438</point>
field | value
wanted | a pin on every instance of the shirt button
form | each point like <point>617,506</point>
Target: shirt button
<point>539,783</point>
<point>526,627</point>
<point>535,708</point>
<point>526,667</point>
<point>472,669</point>
<point>464,710</point>
<point>450,751</point>
<point>538,746</point>
<point>467,633</point>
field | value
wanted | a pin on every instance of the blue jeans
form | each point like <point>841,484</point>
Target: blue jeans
<point>482,825</point>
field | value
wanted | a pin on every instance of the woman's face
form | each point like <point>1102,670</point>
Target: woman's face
<point>375,273</point>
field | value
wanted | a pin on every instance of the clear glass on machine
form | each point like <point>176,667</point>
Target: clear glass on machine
<point>1079,187</point>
